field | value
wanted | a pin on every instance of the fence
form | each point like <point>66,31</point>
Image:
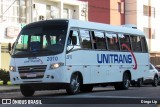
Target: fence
<point>155,60</point>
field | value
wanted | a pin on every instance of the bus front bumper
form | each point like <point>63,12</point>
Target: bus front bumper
<point>59,75</point>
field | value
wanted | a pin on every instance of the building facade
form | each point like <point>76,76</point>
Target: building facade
<point>106,11</point>
<point>145,14</point>
<point>14,14</point>
<point>142,13</point>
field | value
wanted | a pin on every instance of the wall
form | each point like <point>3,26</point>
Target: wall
<point>99,11</point>
<point>130,12</point>
<point>117,14</point>
<point>5,58</point>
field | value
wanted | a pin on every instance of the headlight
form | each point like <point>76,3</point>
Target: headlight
<point>56,65</point>
<point>12,68</point>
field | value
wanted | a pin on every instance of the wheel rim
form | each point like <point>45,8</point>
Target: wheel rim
<point>75,84</point>
<point>126,81</point>
<point>156,81</point>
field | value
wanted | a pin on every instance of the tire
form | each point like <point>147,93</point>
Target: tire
<point>134,84</point>
<point>124,85</point>
<point>86,88</point>
<point>118,86</point>
<point>74,85</point>
<point>27,90</point>
<point>126,82</point>
<point>155,82</point>
<point>139,82</point>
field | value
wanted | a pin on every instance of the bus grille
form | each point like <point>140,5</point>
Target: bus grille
<point>32,72</point>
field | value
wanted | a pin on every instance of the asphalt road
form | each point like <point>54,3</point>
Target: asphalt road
<point>146,96</point>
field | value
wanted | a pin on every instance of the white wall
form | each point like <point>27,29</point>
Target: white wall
<point>144,21</point>
<point>3,27</point>
<point>155,43</point>
<point>71,5</point>
<point>130,13</point>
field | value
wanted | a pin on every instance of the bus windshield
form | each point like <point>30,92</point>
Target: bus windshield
<point>40,41</point>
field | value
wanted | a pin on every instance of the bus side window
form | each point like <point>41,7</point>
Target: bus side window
<point>73,40</point>
<point>136,43</point>
<point>144,44</point>
<point>98,40</point>
<point>86,39</point>
<point>124,39</point>
<point>112,40</point>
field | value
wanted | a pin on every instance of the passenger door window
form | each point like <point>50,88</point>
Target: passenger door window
<point>73,40</point>
<point>86,39</point>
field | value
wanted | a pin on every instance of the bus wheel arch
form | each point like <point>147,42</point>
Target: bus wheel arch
<point>126,80</point>
<point>125,84</point>
<point>155,81</point>
<point>26,90</point>
<point>76,80</point>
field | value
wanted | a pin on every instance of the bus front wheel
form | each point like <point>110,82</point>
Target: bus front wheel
<point>26,90</point>
<point>74,85</point>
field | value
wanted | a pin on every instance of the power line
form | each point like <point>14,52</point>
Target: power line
<point>8,7</point>
<point>126,11</point>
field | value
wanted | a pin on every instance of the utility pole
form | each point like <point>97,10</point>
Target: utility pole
<point>8,8</point>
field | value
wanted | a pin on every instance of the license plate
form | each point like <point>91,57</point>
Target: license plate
<point>31,75</point>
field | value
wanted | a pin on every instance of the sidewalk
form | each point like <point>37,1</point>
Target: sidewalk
<point>9,88</point>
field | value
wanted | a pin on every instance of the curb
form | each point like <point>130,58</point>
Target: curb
<point>9,88</point>
<point>12,90</point>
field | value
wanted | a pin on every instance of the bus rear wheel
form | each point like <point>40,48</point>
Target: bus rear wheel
<point>124,85</point>
<point>74,85</point>
<point>139,82</point>
<point>27,90</point>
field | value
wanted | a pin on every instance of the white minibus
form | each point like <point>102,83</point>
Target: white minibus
<point>77,55</point>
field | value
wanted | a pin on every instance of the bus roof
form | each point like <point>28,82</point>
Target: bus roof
<point>88,25</point>
<point>105,27</point>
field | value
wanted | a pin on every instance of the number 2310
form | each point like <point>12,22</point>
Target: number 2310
<point>52,58</point>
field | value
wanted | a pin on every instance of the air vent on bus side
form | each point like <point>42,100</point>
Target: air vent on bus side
<point>130,26</point>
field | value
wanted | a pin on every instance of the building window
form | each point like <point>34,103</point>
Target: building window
<point>121,7</point>
<point>48,12</point>
<point>152,11</point>
<point>146,31</point>
<point>145,10</point>
<point>13,11</point>
<point>148,11</point>
<point>65,13</point>
<point>153,33</point>
<point>22,11</point>
<point>150,33</point>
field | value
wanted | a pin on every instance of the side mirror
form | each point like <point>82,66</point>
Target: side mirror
<point>9,47</point>
<point>74,40</point>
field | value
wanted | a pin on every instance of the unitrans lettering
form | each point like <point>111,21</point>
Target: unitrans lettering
<point>114,58</point>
